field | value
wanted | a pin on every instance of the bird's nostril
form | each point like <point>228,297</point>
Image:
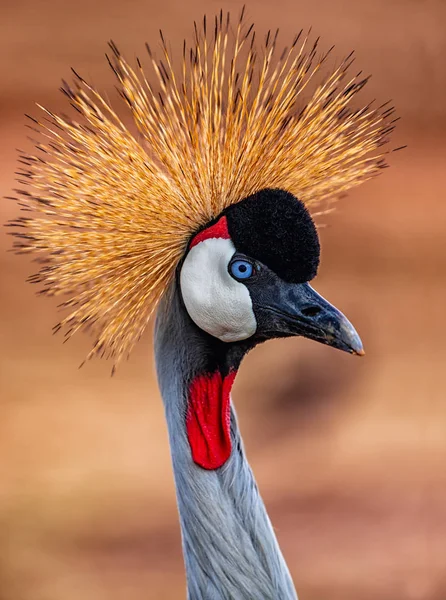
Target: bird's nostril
<point>311,311</point>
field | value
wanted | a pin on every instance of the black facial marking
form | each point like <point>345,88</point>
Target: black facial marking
<point>275,228</point>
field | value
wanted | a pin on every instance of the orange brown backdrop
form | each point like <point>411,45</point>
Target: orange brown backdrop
<point>349,454</point>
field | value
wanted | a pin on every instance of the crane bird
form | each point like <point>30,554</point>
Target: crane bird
<point>204,213</point>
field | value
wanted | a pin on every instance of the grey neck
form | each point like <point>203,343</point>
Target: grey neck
<point>229,546</point>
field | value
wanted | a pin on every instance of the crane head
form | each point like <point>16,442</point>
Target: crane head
<point>246,276</point>
<point>233,147</point>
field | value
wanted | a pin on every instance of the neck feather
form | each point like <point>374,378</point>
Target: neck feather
<point>229,546</point>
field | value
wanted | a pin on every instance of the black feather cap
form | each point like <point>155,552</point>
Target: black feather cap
<point>275,228</point>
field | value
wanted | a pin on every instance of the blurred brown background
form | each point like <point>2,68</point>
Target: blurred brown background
<point>349,454</point>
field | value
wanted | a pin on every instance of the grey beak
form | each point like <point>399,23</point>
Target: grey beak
<point>299,310</point>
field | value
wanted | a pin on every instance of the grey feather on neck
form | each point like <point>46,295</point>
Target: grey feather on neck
<point>230,549</point>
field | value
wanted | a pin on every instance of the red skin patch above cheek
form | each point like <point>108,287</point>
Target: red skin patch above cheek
<point>208,420</point>
<point>218,230</point>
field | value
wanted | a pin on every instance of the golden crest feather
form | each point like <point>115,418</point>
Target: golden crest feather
<point>112,212</point>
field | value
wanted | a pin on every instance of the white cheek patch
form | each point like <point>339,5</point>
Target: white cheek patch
<point>215,301</point>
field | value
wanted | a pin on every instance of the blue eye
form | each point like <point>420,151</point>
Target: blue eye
<point>241,269</point>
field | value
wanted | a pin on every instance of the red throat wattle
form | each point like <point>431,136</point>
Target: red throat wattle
<point>208,420</point>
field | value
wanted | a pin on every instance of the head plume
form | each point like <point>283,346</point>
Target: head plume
<point>110,214</point>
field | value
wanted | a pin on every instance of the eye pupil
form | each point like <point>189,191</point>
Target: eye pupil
<point>241,269</point>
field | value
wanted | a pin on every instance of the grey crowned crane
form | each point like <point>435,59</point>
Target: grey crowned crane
<point>204,213</point>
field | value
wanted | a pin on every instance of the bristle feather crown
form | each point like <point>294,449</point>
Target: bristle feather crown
<point>110,213</point>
